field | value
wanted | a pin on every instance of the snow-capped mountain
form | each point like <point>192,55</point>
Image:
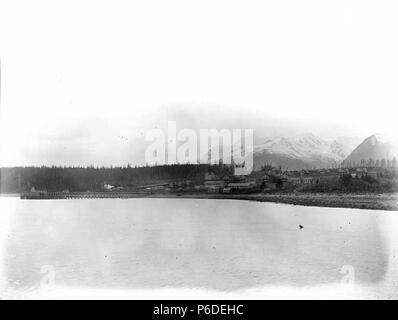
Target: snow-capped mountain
<point>299,152</point>
<point>302,151</point>
<point>376,147</point>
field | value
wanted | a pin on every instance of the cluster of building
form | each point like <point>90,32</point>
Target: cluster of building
<point>333,175</point>
<point>229,184</point>
<point>315,176</point>
<point>258,181</point>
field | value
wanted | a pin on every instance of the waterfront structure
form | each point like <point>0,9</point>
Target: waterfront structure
<point>213,184</point>
<point>242,186</point>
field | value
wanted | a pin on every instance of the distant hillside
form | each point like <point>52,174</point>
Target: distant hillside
<point>375,147</point>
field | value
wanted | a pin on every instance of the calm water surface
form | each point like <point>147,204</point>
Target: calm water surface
<point>214,244</point>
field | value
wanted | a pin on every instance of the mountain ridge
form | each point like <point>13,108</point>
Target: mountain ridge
<point>375,147</point>
<point>303,151</point>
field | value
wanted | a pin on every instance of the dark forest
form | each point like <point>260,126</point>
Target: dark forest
<point>78,179</point>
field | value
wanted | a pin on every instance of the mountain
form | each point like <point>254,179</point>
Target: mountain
<point>376,147</point>
<point>302,151</point>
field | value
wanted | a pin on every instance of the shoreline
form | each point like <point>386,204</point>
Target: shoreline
<point>386,201</point>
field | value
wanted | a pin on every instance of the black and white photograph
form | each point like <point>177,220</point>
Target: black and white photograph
<point>198,150</point>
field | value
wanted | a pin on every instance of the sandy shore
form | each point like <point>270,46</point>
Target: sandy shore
<point>360,201</point>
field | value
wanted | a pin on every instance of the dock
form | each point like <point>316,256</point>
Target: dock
<point>82,195</point>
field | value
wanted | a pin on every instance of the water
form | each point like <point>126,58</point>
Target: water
<point>221,245</point>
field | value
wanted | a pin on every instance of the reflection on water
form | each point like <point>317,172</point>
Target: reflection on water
<point>217,244</point>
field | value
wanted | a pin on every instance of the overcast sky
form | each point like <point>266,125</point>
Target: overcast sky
<point>82,81</point>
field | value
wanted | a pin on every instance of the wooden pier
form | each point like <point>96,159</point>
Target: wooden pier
<point>83,195</point>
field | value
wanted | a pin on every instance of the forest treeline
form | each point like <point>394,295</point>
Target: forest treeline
<point>78,179</point>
